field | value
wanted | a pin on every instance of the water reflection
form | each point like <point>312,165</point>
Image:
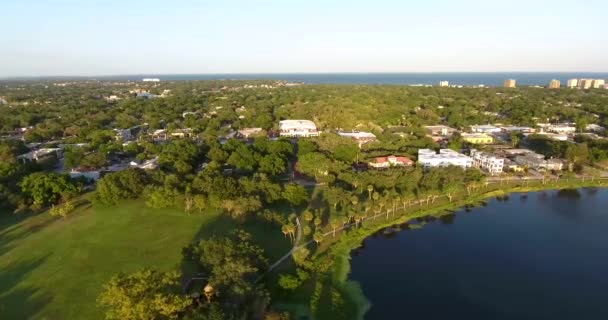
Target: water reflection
<point>516,260</point>
<point>569,194</point>
<point>448,219</point>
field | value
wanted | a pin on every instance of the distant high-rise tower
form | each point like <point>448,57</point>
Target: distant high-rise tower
<point>572,83</point>
<point>554,84</point>
<point>444,83</point>
<point>509,83</point>
<point>598,83</point>
<point>585,83</point>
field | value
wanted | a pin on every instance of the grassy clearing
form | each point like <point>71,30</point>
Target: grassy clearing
<point>54,269</point>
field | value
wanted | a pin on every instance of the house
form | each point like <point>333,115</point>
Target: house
<point>517,129</point>
<point>485,129</point>
<point>561,129</point>
<point>123,134</point>
<point>40,154</point>
<point>181,133</point>
<point>440,130</point>
<point>390,161</point>
<point>360,137</point>
<point>446,157</point>
<point>594,128</point>
<point>247,133</point>
<point>298,128</point>
<point>477,138</point>
<point>146,165</point>
<point>89,175</point>
<point>159,134</point>
<point>488,162</point>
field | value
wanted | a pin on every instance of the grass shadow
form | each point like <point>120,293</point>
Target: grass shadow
<point>21,302</point>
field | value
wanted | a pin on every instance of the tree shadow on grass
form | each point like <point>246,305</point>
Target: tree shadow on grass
<point>14,228</point>
<point>265,234</point>
<point>21,301</point>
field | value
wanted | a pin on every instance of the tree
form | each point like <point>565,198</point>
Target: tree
<point>334,222</point>
<point>370,189</point>
<point>126,184</point>
<point>307,216</point>
<point>47,188</point>
<point>62,210</point>
<point>317,236</point>
<point>145,294</point>
<point>577,155</point>
<point>295,194</point>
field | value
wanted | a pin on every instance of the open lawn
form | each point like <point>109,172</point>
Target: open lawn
<point>54,269</point>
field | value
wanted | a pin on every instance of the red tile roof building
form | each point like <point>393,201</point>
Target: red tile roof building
<point>390,161</point>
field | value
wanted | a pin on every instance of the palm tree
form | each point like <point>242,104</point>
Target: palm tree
<point>292,230</point>
<point>376,196</point>
<point>354,200</point>
<point>317,222</point>
<point>334,223</point>
<point>370,188</point>
<point>317,237</point>
<point>307,216</point>
<point>285,230</point>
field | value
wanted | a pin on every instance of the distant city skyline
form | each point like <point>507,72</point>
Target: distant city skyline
<point>94,38</point>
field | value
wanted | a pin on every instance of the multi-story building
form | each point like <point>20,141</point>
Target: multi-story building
<point>488,162</point>
<point>554,84</point>
<point>298,128</point>
<point>390,161</point>
<point>509,83</point>
<point>572,83</point>
<point>585,83</point>
<point>477,138</point>
<point>444,84</point>
<point>598,83</point>
<point>429,158</point>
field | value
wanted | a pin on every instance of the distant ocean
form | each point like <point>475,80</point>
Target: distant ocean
<point>454,78</point>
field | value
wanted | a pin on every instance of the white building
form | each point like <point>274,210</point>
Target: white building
<point>150,80</point>
<point>562,129</point>
<point>297,128</point>
<point>572,83</point>
<point>485,128</point>
<point>444,84</point>
<point>488,162</point>
<point>598,83</point>
<point>446,157</point>
<point>594,128</point>
<point>360,137</point>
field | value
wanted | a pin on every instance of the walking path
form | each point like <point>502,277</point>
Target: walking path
<point>489,180</point>
<point>293,249</point>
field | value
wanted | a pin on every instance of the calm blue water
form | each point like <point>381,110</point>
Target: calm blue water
<point>544,256</point>
<point>456,78</point>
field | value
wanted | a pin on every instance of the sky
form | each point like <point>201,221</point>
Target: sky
<point>111,37</point>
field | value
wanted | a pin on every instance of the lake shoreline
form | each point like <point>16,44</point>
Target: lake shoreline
<point>341,250</point>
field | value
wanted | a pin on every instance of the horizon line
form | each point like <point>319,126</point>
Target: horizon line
<point>283,73</point>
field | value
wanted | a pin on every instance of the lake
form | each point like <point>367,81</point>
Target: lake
<point>540,255</point>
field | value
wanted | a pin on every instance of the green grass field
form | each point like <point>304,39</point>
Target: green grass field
<point>54,269</point>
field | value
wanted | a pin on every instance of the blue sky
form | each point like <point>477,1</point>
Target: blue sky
<point>85,37</point>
